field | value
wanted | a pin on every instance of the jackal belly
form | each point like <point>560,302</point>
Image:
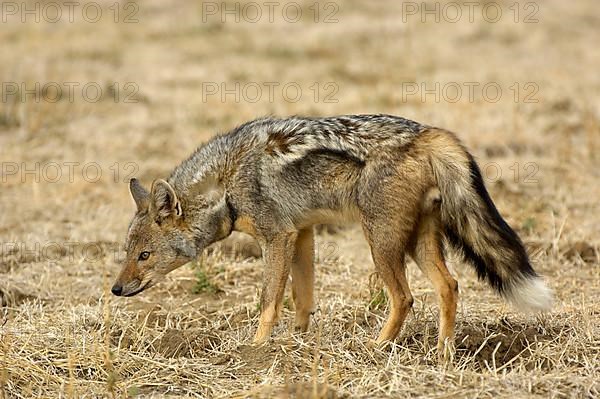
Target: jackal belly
<point>342,216</point>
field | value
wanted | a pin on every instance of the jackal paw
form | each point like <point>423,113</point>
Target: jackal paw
<point>378,344</point>
<point>259,341</point>
<point>301,326</point>
<point>445,352</point>
<point>263,332</point>
<point>372,344</point>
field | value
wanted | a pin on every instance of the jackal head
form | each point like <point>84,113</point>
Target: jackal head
<point>159,239</point>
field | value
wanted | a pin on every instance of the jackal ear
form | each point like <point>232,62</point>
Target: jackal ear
<point>163,201</point>
<point>140,194</point>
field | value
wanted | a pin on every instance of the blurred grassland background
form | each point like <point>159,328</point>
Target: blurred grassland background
<point>173,74</point>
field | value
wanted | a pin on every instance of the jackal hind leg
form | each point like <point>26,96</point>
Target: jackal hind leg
<point>303,279</point>
<point>388,255</point>
<point>277,254</point>
<point>429,256</point>
<point>389,204</point>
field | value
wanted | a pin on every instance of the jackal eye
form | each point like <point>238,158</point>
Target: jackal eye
<point>144,255</point>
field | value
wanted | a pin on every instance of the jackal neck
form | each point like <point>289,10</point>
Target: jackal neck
<point>218,160</point>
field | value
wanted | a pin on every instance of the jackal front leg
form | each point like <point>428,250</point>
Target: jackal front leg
<point>303,278</point>
<point>277,255</point>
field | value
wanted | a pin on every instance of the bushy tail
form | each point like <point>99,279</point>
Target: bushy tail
<point>473,226</point>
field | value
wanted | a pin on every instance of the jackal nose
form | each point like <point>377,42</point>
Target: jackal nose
<point>117,289</point>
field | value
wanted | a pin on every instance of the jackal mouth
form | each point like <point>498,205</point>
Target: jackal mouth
<point>142,288</point>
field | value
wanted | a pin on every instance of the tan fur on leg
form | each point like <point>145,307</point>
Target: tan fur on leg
<point>303,275</point>
<point>278,258</point>
<point>430,259</point>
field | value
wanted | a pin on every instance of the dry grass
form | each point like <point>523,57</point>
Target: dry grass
<point>64,335</point>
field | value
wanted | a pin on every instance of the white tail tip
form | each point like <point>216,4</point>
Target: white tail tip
<point>530,295</point>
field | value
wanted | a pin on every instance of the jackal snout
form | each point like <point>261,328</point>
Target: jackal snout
<point>128,282</point>
<point>128,289</point>
<point>117,289</point>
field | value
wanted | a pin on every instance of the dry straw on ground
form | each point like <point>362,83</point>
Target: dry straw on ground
<point>63,335</point>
